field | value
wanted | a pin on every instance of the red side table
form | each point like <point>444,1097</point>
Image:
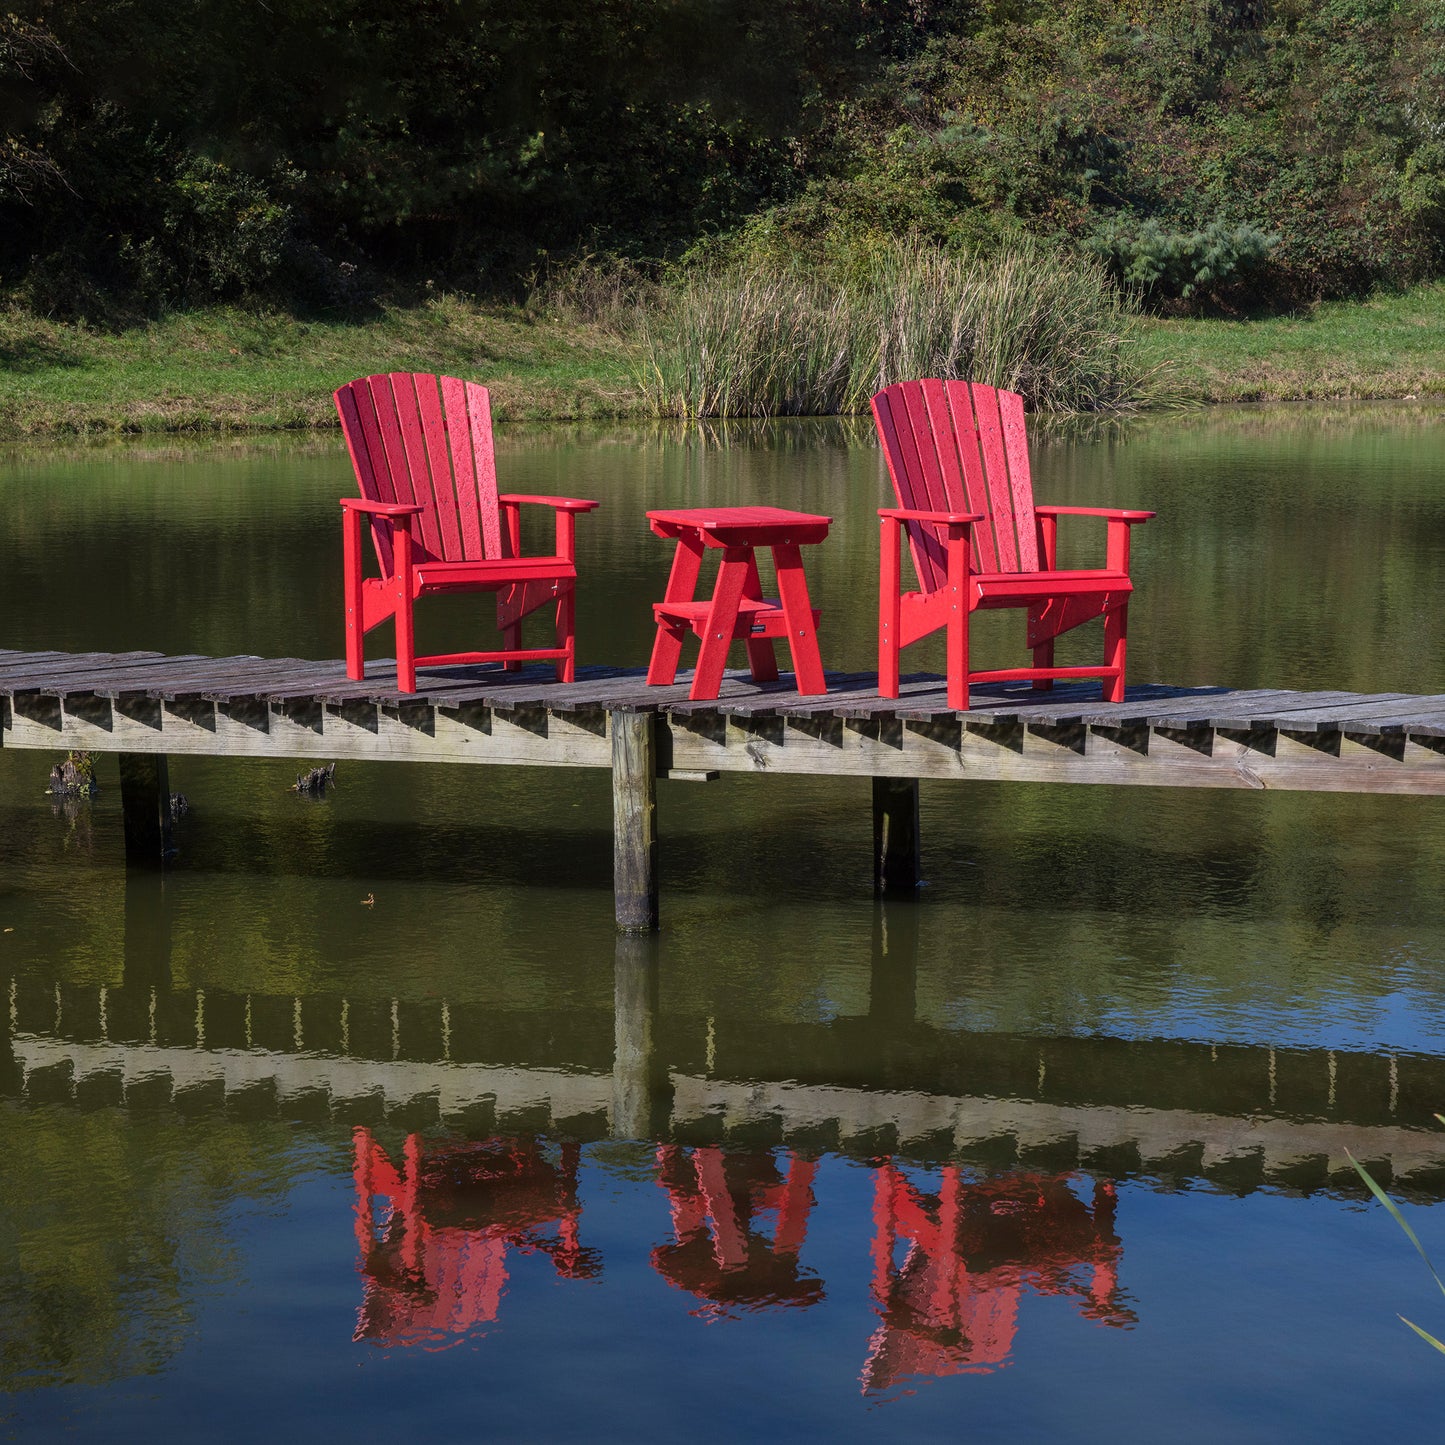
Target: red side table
<point>737,610</point>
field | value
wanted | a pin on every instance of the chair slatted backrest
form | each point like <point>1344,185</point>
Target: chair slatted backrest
<point>416,438</point>
<point>958,446</point>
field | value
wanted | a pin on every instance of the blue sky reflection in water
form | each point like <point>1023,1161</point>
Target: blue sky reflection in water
<point>1057,1150</point>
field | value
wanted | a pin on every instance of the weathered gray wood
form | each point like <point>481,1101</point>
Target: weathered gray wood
<point>634,820</point>
<point>1356,715</point>
<point>295,709</point>
<point>54,674</point>
<point>145,801</point>
<point>134,679</point>
<point>897,846</point>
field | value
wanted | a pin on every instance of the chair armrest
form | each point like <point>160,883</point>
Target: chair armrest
<point>382,509</point>
<point>1113,514</point>
<point>563,504</point>
<point>910,514</point>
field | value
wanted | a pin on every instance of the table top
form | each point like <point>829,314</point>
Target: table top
<point>723,525</point>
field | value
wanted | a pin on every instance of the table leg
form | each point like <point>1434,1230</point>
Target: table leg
<point>762,658</point>
<point>798,614</point>
<point>722,622</point>
<point>681,581</point>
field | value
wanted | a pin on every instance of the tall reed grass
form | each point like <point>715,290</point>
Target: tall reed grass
<point>768,339</point>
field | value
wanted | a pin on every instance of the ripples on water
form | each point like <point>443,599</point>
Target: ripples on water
<point>1057,1149</point>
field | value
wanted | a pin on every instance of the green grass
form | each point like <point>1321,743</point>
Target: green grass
<point>233,368</point>
<point>243,369</point>
<point>1387,346</point>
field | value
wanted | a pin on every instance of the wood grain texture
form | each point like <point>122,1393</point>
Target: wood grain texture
<point>634,820</point>
<point>294,708</point>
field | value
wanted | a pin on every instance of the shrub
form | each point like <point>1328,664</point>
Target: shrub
<point>1180,264</point>
<point>771,339</point>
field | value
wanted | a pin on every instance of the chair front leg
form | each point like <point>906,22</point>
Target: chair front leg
<point>1116,620</point>
<point>403,582</point>
<point>959,615</point>
<point>351,592</point>
<point>566,623</point>
<point>1116,627</point>
<point>890,611</point>
<point>566,544</point>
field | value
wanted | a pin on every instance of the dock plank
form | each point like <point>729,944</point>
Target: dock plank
<point>282,683</point>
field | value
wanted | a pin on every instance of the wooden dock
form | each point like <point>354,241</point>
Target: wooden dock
<point>144,706</point>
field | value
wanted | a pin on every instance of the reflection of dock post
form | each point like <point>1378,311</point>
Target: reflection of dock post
<point>641,1095</point>
<point>145,801</point>
<point>147,931</point>
<point>896,839</point>
<point>893,981</point>
<point>634,819</point>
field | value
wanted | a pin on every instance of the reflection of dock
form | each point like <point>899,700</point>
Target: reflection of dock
<point>145,706</point>
<point>1240,1117</point>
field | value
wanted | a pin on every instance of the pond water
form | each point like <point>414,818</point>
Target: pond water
<point>361,1119</point>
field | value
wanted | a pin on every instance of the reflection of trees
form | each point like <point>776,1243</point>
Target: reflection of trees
<point>110,1225</point>
<point>434,1259</point>
<point>969,1254</point>
<point>722,1251</point>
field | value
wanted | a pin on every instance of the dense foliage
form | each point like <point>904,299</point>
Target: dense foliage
<point>324,151</point>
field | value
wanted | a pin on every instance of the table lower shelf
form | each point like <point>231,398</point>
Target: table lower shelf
<point>756,618</point>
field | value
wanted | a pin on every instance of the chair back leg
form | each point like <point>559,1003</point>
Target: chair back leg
<point>1044,657</point>
<point>512,642</point>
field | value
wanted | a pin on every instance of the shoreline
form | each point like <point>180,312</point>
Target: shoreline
<point>234,371</point>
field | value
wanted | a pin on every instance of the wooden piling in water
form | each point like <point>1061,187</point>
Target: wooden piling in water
<point>634,819</point>
<point>145,801</point>
<point>897,841</point>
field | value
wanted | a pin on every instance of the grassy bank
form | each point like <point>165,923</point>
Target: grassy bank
<point>237,369</point>
<point>1390,346</point>
<point>232,368</point>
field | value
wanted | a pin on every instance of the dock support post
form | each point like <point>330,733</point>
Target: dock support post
<point>641,1096</point>
<point>896,838</point>
<point>634,819</point>
<point>145,802</point>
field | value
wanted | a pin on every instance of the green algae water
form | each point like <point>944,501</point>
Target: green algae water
<point>361,1117</point>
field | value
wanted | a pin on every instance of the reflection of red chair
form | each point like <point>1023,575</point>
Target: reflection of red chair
<point>951,1306</point>
<point>434,1264</point>
<point>734,1263</point>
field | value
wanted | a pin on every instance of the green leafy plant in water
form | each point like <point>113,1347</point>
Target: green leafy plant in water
<point>1410,1234</point>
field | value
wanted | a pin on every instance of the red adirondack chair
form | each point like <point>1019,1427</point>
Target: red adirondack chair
<point>428,477</point>
<point>959,460</point>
